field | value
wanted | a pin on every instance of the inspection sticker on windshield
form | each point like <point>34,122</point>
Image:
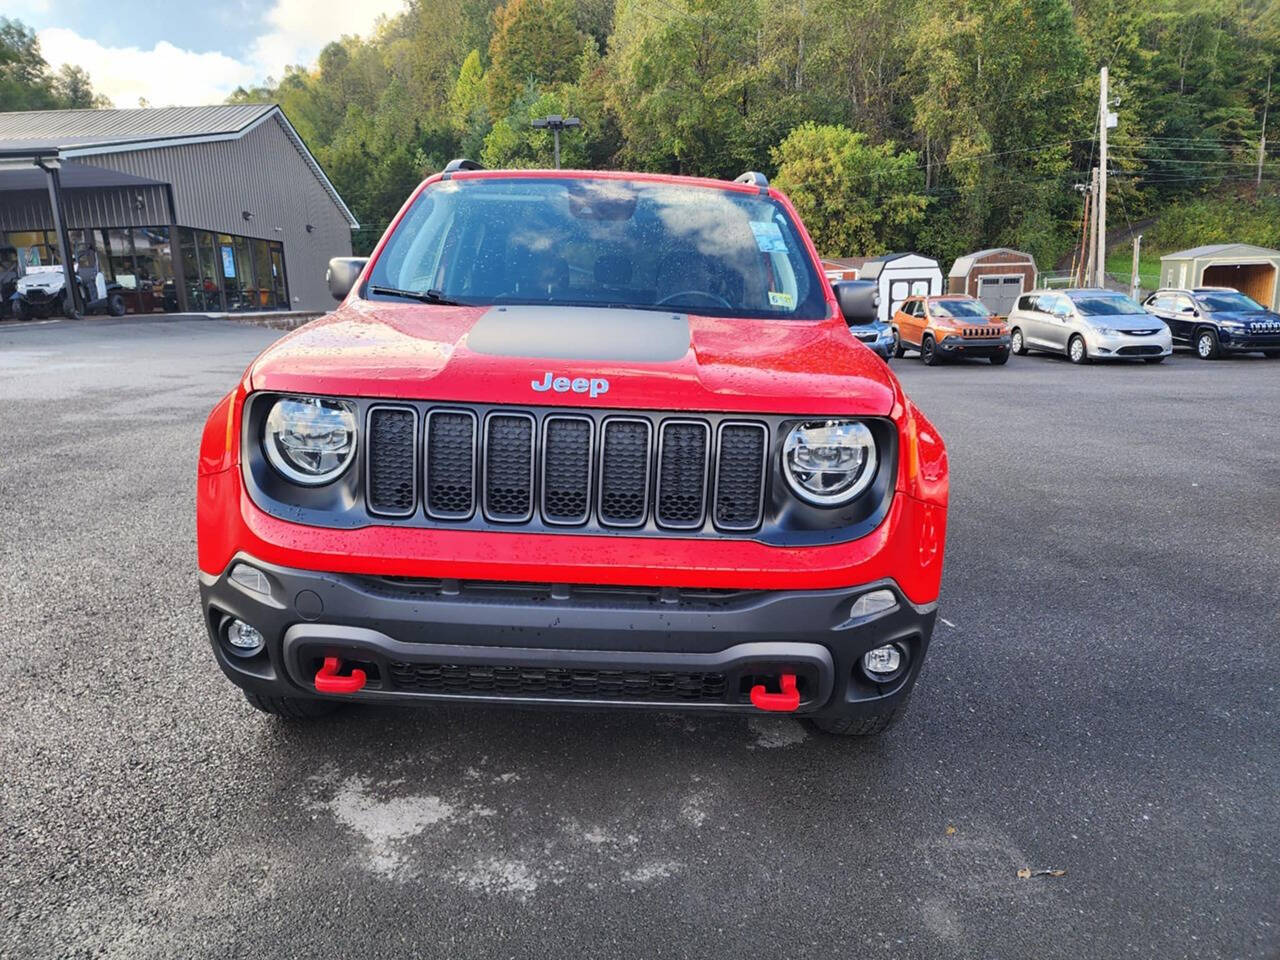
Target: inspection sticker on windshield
<point>781,300</point>
<point>768,236</point>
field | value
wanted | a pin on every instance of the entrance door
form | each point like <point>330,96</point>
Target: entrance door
<point>280,289</point>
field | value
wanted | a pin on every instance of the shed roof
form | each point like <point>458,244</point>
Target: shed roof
<point>77,133</point>
<point>1221,250</point>
<point>872,266</point>
<point>964,264</point>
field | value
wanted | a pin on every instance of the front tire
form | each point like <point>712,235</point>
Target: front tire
<point>929,352</point>
<point>899,351</point>
<point>22,310</point>
<point>115,305</point>
<point>1077,352</point>
<point>290,708</point>
<point>1271,354</point>
<point>1000,359</point>
<point>1016,343</point>
<point>1207,345</point>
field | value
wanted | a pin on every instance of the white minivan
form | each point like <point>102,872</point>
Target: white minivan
<point>1087,324</point>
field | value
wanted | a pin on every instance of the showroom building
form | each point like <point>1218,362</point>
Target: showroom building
<point>192,209</point>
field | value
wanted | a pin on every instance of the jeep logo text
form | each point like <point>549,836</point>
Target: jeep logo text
<point>595,386</point>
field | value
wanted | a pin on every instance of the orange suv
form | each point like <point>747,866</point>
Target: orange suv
<point>954,325</point>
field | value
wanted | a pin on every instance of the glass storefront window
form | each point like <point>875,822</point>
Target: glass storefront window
<point>263,299</point>
<point>154,258</point>
<point>279,290</point>
<point>244,266</point>
<point>191,269</point>
<point>210,271</point>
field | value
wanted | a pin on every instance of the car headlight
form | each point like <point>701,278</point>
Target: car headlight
<point>829,462</point>
<point>1231,324</point>
<point>1105,331</point>
<point>310,440</point>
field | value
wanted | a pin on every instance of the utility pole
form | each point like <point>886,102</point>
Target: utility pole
<point>1262,140</point>
<point>1104,109</point>
<point>1087,277</point>
<point>555,123</point>
<point>1134,285</point>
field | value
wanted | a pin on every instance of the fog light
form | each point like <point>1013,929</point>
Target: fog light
<point>245,639</point>
<point>882,661</point>
<point>877,601</point>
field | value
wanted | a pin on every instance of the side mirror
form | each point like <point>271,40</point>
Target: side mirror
<point>859,300</point>
<point>1188,310</point>
<point>343,273</point>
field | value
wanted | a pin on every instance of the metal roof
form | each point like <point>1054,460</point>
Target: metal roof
<point>873,266</point>
<point>1219,249</point>
<point>77,133</point>
<point>75,128</point>
<point>75,176</point>
<point>964,264</point>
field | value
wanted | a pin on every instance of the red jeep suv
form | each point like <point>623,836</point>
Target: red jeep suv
<point>577,438</point>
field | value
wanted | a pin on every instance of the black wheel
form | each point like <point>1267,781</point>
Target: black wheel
<point>863,725</point>
<point>1271,354</point>
<point>1016,343</point>
<point>115,305</point>
<point>1159,359</point>
<point>1207,346</point>
<point>291,708</point>
<point>1000,359</point>
<point>929,351</point>
<point>1076,350</point>
<point>22,310</point>
<point>899,351</point>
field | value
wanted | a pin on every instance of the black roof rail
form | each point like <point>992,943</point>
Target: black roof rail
<point>754,179</point>
<point>461,163</point>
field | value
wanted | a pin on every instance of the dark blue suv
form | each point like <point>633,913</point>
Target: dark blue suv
<point>1216,320</point>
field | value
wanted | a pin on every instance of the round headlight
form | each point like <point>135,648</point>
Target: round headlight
<point>828,463</point>
<point>311,440</point>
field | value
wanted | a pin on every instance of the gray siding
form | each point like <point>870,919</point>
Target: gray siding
<point>261,172</point>
<point>141,206</point>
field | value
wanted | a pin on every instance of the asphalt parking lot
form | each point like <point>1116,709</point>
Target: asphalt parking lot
<point>1100,699</point>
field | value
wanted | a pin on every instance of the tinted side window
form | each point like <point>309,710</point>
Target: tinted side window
<point>1027,302</point>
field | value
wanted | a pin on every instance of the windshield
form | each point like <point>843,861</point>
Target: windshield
<point>589,242</point>
<point>963,309</point>
<point>1226,301</point>
<point>1100,305</point>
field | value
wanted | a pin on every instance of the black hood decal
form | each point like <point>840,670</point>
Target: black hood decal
<point>581,333</point>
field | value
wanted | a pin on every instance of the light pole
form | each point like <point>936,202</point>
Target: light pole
<point>555,123</point>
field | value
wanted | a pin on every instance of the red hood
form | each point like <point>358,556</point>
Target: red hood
<point>418,351</point>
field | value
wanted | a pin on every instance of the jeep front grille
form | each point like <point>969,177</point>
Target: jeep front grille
<point>570,468</point>
<point>558,683</point>
<point>983,332</point>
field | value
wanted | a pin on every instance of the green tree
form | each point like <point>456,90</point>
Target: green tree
<point>854,197</point>
<point>533,40</point>
<point>26,82</point>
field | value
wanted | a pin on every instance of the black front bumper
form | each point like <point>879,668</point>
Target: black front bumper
<point>564,645</point>
<point>973,346</point>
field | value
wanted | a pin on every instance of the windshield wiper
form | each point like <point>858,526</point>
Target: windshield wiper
<point>422,296</point>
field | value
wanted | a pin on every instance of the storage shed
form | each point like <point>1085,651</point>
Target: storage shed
<point>997,277</point>
<point>1254,271</point>
<point>901,275</point>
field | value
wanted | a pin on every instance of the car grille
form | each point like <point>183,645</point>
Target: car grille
<point>557,682</point>
<point>983,332</point>
<point>1143,350</point>
<point>514,467</point>
<point>1139,333</point>
<point>1265,327</point>
<point>867,336</point>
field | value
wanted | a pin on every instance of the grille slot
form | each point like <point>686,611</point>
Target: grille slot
<point>508,467</point>
<point>451,464</point>
<point>683,448</point>
<point>558,682</point>
<point>739,492</point>
<point>391,473</point>
<point>624,471</point>
<point>566,469</point>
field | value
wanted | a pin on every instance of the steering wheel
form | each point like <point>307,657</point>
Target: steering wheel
<point>705,294</point>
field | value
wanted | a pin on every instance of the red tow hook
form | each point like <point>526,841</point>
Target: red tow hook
<point>328,680</point>
<point>783,702</point>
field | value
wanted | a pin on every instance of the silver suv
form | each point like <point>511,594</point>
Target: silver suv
<point>1087,324</point>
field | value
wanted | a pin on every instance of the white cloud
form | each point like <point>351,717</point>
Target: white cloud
<point>165,75</point>
<point>298,29</point>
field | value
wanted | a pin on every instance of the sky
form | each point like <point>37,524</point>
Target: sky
<point>189,52</point>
